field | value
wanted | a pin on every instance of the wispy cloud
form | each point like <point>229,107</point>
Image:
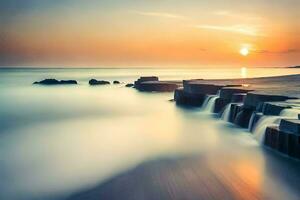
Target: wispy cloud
<point>228,13</point>
<point>287,51</point>
<point>160,14</point>
<point>241,29</point>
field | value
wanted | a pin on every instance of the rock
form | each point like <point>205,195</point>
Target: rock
<point>243,117</point>
<point>129,85</point>
<point>189,99</point>
<point>197,88</point>
<point>227,92</point>
<point>273,108</point>
<point>290,126</point>
<point>157,86</point>
<point>238,97</point>
<point>255,100</point>
<point>142,79</point>
<point>55,82</point>
<point>96,82</point>
<point>220,104</point>
<point>272,137</point>
<point>294,145</point>
<point>234,109</point>
<point>116,82</point>
<point>283,141</point>
<point>256,116</point>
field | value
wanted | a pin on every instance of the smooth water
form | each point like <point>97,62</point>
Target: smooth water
<point>57,140</point>
<point>226,113</point>
<point>208,105</point>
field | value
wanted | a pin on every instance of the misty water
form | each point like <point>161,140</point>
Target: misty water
<point>57,140</point>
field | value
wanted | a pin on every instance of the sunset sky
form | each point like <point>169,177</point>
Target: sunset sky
<point>149,33</point>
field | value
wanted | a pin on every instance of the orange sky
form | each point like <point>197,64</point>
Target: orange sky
<point>158,33</point>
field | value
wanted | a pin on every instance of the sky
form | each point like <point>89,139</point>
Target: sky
<point>149,33</point>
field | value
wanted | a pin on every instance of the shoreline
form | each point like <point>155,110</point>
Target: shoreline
<point>139,183</point>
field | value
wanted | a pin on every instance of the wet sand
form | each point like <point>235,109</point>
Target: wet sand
<point>235,168</point>
<point>198,177</point>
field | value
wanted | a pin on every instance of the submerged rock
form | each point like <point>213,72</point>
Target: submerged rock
<point>116,82</point>
<point>129,85</point>
<point>96,82</point>
<point>55,82</point>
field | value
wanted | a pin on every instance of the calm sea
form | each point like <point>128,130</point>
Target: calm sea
<point>57,140</point>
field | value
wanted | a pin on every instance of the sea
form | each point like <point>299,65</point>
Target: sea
<point>56,141</point>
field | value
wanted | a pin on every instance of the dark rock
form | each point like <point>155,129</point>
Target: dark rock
<point>68,82</point>
<point>269,108</point>
<point>283,141</point>
<point>116,82</point>
<point>142,79</point>
<point>234,109</point>
<point>55,82</point>
<point>294,145</point>
<point>220,104</point>
<point>190,99</point>
<point>158,86</point>
<point>290,126</point>
<point>129,85</point>
<point>197,88</point>
<point>272,137</point>
<point>238,97</point>
<point>96,82</point>
<point>256,116</point>
<point>255,100</point>
<point>243,117</point>
<point>227,93</point>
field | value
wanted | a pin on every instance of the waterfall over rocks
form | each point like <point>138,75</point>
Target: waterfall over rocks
<point>262,124</point>
<point>226,113</point>
<point>291,113</point>
<point>209,103</point>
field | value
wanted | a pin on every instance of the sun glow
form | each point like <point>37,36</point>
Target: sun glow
<point>244,72</point>
<point>244,51</point>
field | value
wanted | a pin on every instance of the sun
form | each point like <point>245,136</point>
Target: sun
<point>244,51</point>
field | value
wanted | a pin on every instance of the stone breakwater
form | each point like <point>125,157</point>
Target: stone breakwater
<point>268,106</point>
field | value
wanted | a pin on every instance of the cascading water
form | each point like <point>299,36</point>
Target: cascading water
<point>291,113</point>
<point>265,121</point>
<point>251,121</point>
<point>226,113</point>
<point>262,124</point>
<point>209,103</point>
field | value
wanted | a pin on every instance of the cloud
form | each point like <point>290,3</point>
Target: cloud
<point>241,29</point>
<point>160,14</point>
<point>287,51</point>
<point>227,13</point>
